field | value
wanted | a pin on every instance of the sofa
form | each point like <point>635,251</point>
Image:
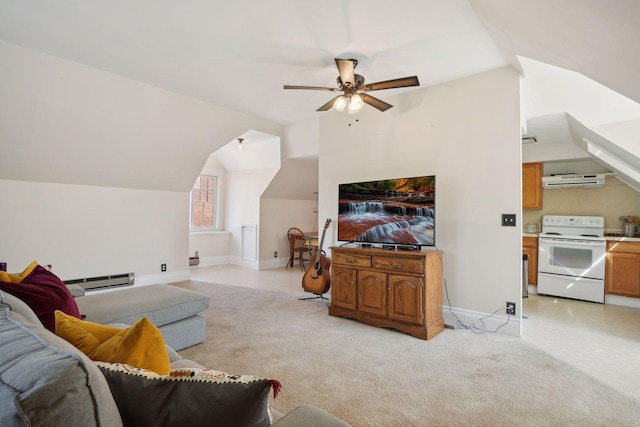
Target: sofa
<point>46,380</point>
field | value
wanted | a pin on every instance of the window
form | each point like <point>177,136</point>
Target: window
<point>204,200</point>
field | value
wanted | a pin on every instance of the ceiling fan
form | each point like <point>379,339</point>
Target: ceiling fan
<point>353,87</point>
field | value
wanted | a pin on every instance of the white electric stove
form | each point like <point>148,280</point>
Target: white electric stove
<point>571,257</point>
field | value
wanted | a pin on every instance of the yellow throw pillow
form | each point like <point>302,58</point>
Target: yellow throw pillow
<point>18,278</point>
<point>140,345</point>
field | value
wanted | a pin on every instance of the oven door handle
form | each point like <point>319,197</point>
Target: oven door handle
<point>572,242</point>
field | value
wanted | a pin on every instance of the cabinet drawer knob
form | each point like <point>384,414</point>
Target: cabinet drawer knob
<point>396,266</point>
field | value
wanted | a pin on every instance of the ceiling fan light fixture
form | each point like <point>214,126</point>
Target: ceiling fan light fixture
<point>340,103</point>
<point>351,84</point>
<point>355,104</point>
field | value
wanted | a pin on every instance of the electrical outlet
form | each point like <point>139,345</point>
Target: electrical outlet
<point>508,220</point>
<point>163,267</point>
<point>511,308</point>
<point>275,254</point>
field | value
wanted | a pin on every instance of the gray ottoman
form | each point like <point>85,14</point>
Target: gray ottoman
<point>173,310</point>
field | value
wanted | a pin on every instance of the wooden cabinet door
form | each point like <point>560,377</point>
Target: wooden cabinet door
<point>532,185</point>
<point>622,275</point>
<point>530,247</point>
<point>343,287</point>
<point>405,298</point>
<point>372,292</point>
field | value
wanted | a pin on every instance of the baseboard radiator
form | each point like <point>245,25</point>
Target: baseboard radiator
<point>103,282</point>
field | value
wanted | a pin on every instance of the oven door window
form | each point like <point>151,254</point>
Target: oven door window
<point>574,258</point>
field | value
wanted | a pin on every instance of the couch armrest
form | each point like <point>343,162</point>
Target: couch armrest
<point>76,290</point>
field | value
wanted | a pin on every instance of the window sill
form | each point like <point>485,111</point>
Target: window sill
<point>205,232</point>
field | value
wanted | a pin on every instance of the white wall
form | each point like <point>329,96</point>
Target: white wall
<point>86,231</point>
<point>120,158</point>
<point>64,122</point>
<point>301,139</point>
<point>212,247</point>
<point>287,199</point>
<point>548,90</point>
<point>276,217</point>
<point>467,133</point>
<point>243,190</point>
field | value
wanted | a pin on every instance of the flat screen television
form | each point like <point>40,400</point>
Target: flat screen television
<point>390,211</point>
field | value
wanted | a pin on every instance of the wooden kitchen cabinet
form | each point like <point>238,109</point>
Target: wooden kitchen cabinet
<point>530,247</point>
<point>622,269</point>
<point>532,185</point>
<point>394,289</point>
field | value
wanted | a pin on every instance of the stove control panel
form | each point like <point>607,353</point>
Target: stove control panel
<point>573,221</point>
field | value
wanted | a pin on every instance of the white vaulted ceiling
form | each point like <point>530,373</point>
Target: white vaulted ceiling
<point>239,54</point>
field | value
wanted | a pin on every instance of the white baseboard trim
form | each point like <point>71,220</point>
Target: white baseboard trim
<point>256,265</point>
<point>166,277</point>
<point>239,261</point>
<point>481,322</point>
<point>213,260</point>
<point>273,263</point>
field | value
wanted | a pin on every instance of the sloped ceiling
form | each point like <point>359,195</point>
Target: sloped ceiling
<point>593,37</point>
<point>256,151</point>
<point>238,55</point>
<point>296,179</point>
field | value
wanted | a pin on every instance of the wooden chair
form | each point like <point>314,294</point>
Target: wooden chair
<point>298,250</point>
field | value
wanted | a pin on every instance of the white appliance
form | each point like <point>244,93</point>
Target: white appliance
<point>571,257</point>
<point>573,180</point>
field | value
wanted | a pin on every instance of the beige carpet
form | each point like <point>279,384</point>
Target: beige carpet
<point>377,377</point>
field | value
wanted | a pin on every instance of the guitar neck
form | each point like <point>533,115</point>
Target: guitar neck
<point>326,225</point>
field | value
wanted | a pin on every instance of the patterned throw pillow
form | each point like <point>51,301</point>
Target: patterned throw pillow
<point>193,397</point>
<point>42,291</point>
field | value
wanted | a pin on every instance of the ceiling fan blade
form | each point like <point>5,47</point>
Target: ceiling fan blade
<point>328,105</point>
<point>331,89</point>
<point>375,102</point>
<point>346,69</point>
<point>392,84</point>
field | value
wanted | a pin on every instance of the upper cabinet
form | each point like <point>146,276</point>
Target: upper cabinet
<point>532,185</point>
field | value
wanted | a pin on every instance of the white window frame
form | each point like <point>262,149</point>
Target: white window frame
<point>216,205</point>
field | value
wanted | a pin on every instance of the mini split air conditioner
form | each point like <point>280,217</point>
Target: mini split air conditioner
<point>573,180</point>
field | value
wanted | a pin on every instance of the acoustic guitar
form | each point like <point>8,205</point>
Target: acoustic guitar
<point>317,278</point>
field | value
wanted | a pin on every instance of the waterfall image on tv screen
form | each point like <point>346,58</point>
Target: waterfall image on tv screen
<point>391,211</point>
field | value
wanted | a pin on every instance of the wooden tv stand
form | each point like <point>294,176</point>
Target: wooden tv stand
<point>393,289</point>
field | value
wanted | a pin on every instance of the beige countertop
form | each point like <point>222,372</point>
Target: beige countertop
<point>621,239</point>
